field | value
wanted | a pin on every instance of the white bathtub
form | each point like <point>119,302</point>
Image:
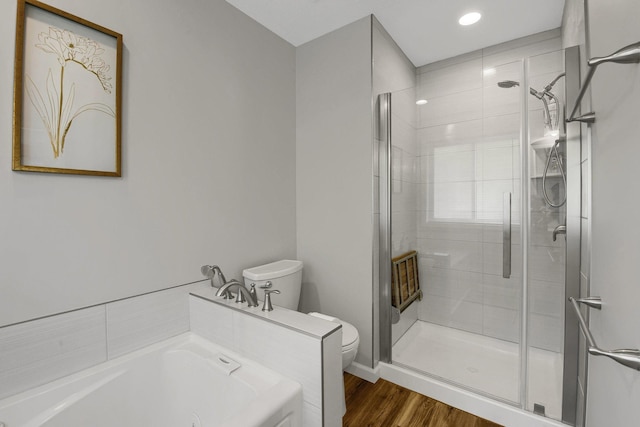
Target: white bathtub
<point>183,381</point>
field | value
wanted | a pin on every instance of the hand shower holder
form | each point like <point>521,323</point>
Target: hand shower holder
<point>627,55</point>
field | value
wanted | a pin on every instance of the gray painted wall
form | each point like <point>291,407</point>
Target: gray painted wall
<point>614,390</point>
<point>208,163</point>
<point>334,177</point>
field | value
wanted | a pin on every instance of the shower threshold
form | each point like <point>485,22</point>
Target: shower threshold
<point>486,365</point>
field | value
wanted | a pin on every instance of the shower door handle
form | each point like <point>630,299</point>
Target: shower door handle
<point>506,236</point>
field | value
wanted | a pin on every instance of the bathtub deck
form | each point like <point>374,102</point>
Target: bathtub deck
<point>387,404</point>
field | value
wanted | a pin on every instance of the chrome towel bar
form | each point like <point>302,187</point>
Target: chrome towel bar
<point>627,55</point>
<point>626,357</point>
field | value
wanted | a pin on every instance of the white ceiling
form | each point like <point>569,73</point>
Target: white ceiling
<point>426,30</point>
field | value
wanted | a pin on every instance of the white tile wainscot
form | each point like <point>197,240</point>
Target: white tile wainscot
<point>35,352</point>
<point>303,348</point>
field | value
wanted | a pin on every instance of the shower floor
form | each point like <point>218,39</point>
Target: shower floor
<point>485,364</point>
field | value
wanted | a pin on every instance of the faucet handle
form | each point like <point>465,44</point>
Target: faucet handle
<point>267,306</point>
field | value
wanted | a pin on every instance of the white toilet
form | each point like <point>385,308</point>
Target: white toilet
<point>286,276</point>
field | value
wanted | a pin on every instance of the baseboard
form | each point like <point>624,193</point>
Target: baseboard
<point>364,372</point>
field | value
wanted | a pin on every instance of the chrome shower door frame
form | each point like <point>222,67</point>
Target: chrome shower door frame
<point>573,237</point>
<point>384,170</point>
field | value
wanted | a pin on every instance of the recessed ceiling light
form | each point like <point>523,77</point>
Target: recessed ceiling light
<point>469,18</point>
<point>421,101</point>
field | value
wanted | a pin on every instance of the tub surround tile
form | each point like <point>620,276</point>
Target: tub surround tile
<point>39,351</point>
<point>287,352</point>
<point>311,415</point>
<point>290,319</point>
<point>136,322</point>
<point>332,379</point>
<point>212,322</point>
<point>303,348</point>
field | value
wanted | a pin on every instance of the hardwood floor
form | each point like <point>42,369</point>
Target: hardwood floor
<point>385,404</point>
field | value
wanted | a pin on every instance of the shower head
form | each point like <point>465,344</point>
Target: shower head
<point>506,84</point>
<point>627,55</point>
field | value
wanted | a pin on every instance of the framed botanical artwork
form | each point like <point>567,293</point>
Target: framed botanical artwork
<point>67,94</point>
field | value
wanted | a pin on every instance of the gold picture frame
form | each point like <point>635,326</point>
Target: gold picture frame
<point>67,111</point>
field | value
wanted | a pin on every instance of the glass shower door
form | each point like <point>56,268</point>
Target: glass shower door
<point>467,327</point>
<point>547,244</point>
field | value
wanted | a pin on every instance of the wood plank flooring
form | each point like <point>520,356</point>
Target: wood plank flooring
<point>385,404</point>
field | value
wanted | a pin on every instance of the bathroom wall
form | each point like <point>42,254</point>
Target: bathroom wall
<point>334,177</point>
<point>339,77</point>
<point>614,390</point>
<point>468,155</point>
<point>208,163</point>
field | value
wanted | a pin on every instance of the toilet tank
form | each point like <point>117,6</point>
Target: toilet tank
<point>285,276</point>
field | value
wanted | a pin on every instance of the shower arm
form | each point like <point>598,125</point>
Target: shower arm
<point>627,55</point>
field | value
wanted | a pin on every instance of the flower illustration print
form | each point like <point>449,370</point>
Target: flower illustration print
<point>54,106</point>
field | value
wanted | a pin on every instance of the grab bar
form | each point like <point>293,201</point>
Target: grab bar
<point>624,356</point>
<point>627,55</point>
<point>506,236</point>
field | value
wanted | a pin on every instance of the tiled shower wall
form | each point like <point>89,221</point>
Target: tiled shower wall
<point>404,174</point>
<point>404,189</point>
<point>468,155</point>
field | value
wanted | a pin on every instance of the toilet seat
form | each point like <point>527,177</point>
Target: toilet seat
<point>349,336</point>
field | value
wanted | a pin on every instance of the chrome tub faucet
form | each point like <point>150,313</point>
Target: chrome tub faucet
<point>243,294</point>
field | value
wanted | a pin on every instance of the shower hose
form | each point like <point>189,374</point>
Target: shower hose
<point>553,151</point>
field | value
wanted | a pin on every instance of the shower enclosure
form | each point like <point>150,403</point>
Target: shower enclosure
<point>475,181</point>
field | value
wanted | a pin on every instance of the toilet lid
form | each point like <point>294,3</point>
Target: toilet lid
<point>349,333</point>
